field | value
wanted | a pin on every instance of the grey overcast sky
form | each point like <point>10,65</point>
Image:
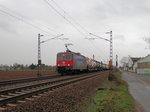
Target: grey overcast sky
<point>22,20</point>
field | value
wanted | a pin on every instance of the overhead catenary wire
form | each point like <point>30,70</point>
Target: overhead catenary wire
<point>27,22</point>
<point>27,18</point>
<point>70,17</point>
<point>75,23</point>
<point>94,50</point>
<point>78,46</point>
<point>20,17</point>
<point>83,48</point>
<point>46,1</point>
<point>100,51</point>
<point>90,50</point>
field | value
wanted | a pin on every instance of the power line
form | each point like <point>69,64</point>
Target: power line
<point>70,17</point>
<point>46,1</point>
<point>76,23</point>
<point>101,51</point>
<point>20,18</point>
<point>16,13</point>
<point>73,20</point>
<point>83,48</point>
<point>64,16</point>
<point>67,19</point>
<point>89,50</point>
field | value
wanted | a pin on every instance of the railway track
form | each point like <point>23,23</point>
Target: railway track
<point>10,82</point>
<point>21,93</point>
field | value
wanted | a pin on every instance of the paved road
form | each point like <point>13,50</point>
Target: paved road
<point>139,87</point>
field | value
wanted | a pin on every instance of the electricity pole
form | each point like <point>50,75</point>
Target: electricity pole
<point>111,47</point>
<point>39,49</point>
<point>110,54</point>
<point>39,54</point>
<point>111,50</point>
<point>116,62</point>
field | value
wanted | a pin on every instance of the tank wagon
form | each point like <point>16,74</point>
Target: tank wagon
<point>71,62</point>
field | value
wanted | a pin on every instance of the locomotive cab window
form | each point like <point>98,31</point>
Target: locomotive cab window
<point>59,57</point>
<point>68,57</point>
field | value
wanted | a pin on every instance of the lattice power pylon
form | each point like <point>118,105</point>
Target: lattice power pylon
<point>111,46</point>
<point>111,49</point>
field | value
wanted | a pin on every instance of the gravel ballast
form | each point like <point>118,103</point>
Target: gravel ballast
<point>65,99</point>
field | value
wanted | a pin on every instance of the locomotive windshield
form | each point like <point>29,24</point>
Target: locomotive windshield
<point>68,57</point>
<point>60,57</point>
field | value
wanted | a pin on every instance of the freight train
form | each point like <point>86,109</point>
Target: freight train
<point>70,62</point>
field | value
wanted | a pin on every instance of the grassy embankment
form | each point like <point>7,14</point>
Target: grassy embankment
<point>112,96</point>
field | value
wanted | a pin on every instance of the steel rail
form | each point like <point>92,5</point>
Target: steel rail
<point>12,90</point>
<point>9,82</point>
<point>43,89</point>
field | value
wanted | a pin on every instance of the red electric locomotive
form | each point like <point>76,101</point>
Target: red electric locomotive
<point>70,62</point>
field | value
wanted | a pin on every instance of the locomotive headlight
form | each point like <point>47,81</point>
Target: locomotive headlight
<point>58,64</point>
<point>68,64</point>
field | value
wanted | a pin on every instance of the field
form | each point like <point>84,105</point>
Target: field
<point>12,75</point>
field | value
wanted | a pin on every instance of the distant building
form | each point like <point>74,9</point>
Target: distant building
<point>143,65</point>
<point>125,66</point>
<point>135,67</point>
<point>124,62</point>
<point>132,64</point>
